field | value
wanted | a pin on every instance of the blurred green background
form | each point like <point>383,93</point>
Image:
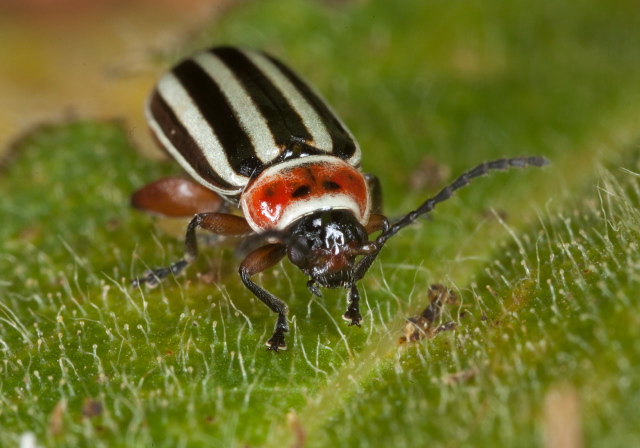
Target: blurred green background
<point>545,352</point>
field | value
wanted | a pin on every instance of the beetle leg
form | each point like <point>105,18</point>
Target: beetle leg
<point>312,286</point>
<point>353,310</point>
<point>376,222</point>
<point>375,190</point>
<point>257,261</point>
<point>218,223</point>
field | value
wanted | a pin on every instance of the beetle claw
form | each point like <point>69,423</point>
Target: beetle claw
<point>353,316</point>
<point>150,278</point>
<point>276,342</point>
<point>314,288</point>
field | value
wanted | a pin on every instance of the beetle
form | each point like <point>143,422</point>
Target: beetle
<point>253,134</point>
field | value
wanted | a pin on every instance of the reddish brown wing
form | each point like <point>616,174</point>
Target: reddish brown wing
<point>176,197</point>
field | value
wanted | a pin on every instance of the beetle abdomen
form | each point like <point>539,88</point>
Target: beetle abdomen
<point>226,114</point>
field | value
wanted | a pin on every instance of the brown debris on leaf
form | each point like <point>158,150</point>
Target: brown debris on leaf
<point>425,325</point>
<point>299,433</point>
<point>563,426</point>
<point>91,408</point>
<point>56,418</point>
<point>463,376</point>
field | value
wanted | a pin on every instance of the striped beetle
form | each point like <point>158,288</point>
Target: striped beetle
<point>255,135</point>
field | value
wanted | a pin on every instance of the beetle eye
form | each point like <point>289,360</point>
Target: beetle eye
<point>299,252</point>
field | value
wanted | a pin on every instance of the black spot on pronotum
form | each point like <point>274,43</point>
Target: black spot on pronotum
<point>301,191</point>
<point>309,173</point>
<point>330,185</point>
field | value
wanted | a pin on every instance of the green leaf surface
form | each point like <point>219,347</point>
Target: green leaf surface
<point>545,262</point>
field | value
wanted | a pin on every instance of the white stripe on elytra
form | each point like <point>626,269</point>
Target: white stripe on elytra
<point>166,143</point>
<point>311,120</point>
<point>251,120</point>
<point>178,99</point>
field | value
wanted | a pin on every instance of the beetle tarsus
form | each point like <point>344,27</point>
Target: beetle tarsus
<point>312,286</point>
<point>353,317</point>
<point>277,342</point>
<point>353,311</point>
<point>154,277</point>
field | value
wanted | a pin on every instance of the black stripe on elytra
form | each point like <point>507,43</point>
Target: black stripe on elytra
<point>184,143</point>
<point>283,120</point>
<point>344,146</point>
<point>216,110</point>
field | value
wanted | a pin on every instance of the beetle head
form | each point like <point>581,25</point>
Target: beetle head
<point>327,244</point>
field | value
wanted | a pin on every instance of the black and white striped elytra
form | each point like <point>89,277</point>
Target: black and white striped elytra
<point>227,113</point>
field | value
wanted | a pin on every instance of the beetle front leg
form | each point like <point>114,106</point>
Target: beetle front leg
<point>218,223</point>
<point>376,223</point>
<point>257,261</point>
<point>353,310</point>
